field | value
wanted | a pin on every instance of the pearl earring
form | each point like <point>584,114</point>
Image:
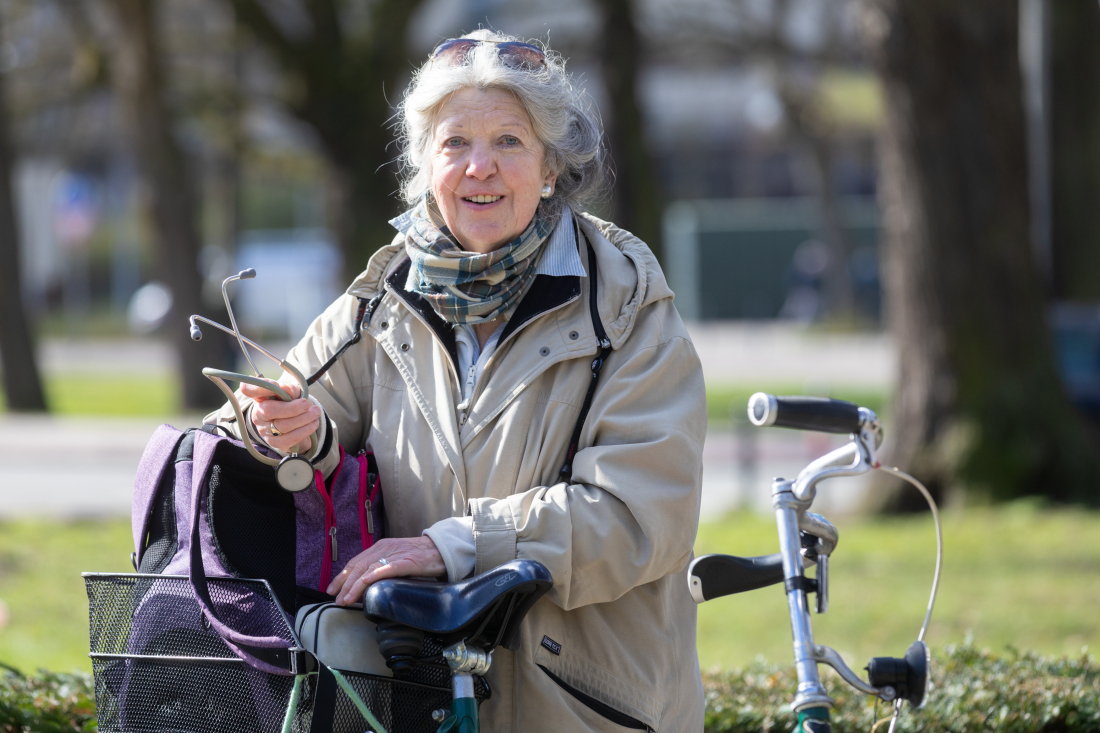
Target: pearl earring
<point>547,190</point>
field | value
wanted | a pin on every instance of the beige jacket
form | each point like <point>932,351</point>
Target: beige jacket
<point>617,540</point>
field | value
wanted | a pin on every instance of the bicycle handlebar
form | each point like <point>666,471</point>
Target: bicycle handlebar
<point>820,414</point>
<point>713,576</point>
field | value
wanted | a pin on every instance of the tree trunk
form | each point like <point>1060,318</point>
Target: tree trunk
<point>979,404</point>
<point>840,299</point>
<point>139,79</point>
<point>343,81</point>
<point>22,385</point>
<point>636,196</point>
<point>1075,148</point>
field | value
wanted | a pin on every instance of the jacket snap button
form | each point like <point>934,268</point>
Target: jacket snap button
<point>574,335</point>
<point>404,347</point>
<point>544,351</point>
<point>384,324</point>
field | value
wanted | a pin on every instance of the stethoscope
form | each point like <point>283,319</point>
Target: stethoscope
<point>293,472</point>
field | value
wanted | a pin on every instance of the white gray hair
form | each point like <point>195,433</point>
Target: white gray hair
<point>562,115</point>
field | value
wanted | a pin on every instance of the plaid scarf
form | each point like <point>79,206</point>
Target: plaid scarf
<point>467,287</point>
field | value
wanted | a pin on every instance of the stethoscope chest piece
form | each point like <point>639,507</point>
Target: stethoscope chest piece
<point>294,473</point>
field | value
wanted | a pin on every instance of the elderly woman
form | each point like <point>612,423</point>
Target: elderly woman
<point>486,313</point>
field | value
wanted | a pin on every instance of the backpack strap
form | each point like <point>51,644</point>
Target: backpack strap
<point>566,472</point>
<point>362,320</point>
<point>155,461</point>
<point>269,653</point>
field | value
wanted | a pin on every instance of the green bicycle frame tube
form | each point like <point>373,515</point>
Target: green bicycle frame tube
<point>814,720</point>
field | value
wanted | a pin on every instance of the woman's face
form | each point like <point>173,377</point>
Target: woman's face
<point>487,174</point>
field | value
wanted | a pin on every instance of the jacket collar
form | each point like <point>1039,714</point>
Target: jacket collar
<point>545,294</point>
<point>417,303</point>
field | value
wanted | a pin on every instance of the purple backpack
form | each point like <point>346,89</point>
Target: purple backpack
<point>197,484</point>
<point>201,639</point>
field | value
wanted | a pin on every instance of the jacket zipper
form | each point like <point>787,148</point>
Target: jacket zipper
<point>511,336</point>
<point>477,391</point>
<point>367,519</point>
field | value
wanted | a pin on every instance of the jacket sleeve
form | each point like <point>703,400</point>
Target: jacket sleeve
<point>631,513</point>
<point>336,391</point>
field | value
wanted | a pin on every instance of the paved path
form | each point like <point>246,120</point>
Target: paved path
<point>731,352</point>
<point>84,467</point>
<point>79,467</point>
<point>70,467</point>
<point>777,353</point>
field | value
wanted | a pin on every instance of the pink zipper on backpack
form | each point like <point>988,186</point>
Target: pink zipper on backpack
<point>331,549</point>
<point>366,503</point>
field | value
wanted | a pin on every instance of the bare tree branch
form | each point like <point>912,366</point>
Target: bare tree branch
<point>252,15</point>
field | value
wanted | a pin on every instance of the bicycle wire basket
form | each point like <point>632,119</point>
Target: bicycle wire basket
<point>159,666</point>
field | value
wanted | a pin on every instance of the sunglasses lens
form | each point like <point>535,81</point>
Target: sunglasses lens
<point>453,52</point>
<point>521,55</point>
<point>514,55</point>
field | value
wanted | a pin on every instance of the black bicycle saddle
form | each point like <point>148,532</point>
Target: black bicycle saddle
<point>487,607</point>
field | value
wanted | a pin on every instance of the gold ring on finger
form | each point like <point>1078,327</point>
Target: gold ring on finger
<point>274,430</point>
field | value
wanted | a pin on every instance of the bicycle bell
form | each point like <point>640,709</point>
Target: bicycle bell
<point>293,472</point>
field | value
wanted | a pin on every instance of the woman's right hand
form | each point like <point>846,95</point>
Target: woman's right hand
<point>294,421</point>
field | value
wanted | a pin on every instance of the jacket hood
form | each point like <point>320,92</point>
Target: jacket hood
<point>630,277</point>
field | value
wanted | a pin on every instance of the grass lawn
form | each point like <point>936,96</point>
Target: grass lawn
<point>40,566</point>
<point>721,397</point>
<point>1015,576</point>
<point>141,396</point>
<point>119,396</point>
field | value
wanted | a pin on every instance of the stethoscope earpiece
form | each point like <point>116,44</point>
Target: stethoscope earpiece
<point>293,472</point>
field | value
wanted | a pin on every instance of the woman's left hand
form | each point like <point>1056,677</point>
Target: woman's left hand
<point>405,557</point>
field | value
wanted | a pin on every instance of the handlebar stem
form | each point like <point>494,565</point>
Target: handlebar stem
<point>860,452</point>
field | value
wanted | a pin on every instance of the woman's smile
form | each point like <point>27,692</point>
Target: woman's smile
<point>482,201</point>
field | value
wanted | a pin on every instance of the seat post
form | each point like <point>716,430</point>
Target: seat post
<point>464,663</point>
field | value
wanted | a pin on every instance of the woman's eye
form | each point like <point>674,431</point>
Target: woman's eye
<point>453,142</point>
<point>511,140</point>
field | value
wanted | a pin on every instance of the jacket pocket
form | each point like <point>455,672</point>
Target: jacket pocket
<point>600,708</point>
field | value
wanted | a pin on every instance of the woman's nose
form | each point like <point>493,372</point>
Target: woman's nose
<point>481,163</point>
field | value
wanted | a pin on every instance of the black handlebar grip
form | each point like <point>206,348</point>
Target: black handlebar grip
<point>713,576</point>
<point>804,413</point>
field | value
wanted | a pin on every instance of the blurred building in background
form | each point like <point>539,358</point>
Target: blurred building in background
<point>717,127</point>
<point>760,121</point>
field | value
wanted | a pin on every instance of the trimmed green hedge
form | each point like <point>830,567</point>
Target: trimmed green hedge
<point>49,703</point>
<point>972,691</point>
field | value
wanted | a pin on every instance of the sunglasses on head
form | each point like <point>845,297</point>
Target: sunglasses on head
<point>512,54</point>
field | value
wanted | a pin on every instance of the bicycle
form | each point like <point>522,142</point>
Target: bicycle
<point>805,539</point>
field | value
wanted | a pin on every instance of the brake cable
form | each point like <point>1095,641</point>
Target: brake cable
<point>897,472</point>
